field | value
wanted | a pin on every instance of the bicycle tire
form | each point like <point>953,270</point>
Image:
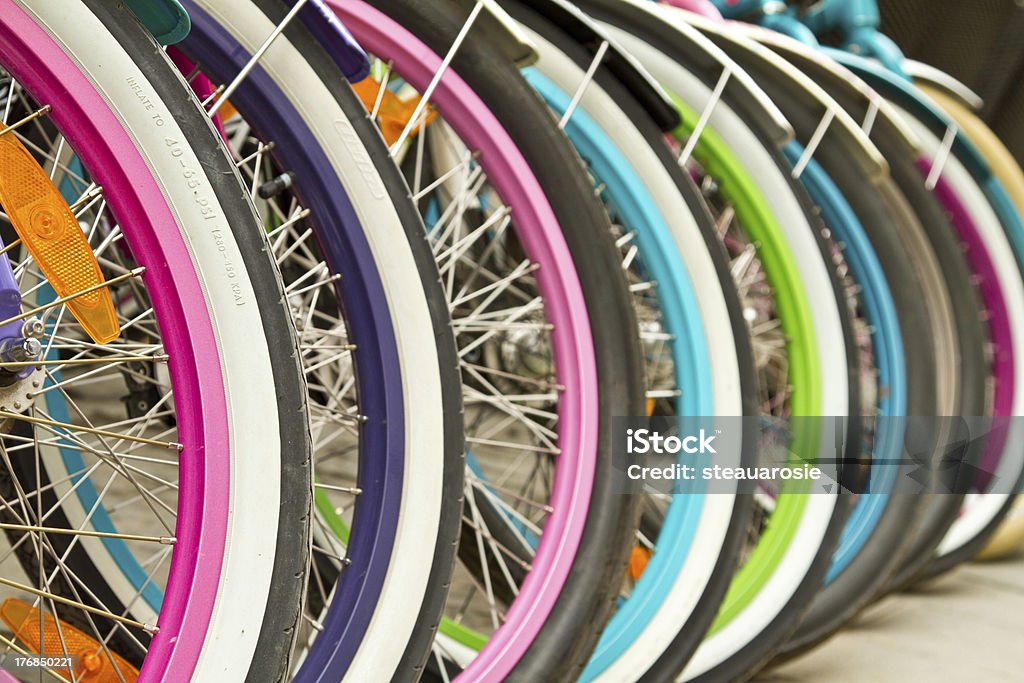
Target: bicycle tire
<point>136,53</point>
<point>964,537</point>
<point>347,198</point>
<point>575,619</point>
<point>713,562</point>
<point>743,660</point>
<point>953,293</point>
<point>876,202</point>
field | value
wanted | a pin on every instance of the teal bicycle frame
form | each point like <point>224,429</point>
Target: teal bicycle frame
<point>857,21</point>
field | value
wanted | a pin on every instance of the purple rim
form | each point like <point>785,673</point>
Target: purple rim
<point>341,236</point>
<point>39,63</point>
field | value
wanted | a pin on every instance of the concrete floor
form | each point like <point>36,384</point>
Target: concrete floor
<point>966,626</point>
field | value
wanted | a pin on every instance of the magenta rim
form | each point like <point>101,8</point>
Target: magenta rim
<point>33,57</point>
<point>701,7</point>
<point>1000,331</point>
<point>575,366</point>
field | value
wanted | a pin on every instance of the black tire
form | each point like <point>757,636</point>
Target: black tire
<point>754,655</point>
<point>856,587</point>
<point>943,563</point>
<point>443,558</point>
<point>692,632</point>
<point>969,338</point>
<point>969,331</point>
<point>291,563</point>
<point>283,608</point>
<point>885,217</point>
<point>418,647</point>
<point>658,34</point>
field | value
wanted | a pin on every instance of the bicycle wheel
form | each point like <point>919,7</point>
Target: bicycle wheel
<point>406,452</point>
<point>727,652</point>
<point>210,300</point>
<point>507,153</point>
<point>357,390</point>
<point>686,569</point>
<point>939,258</point>
<point>1005,168</point>
<point>981,513</point>
<point>998,238</point>
<point>867,215</point>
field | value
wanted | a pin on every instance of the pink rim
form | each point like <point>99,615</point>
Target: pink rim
<point>575,366</point>
<point>94,131</point>
<point>999,327</point>
<point>701,7</point>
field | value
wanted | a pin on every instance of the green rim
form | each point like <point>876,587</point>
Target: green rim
<point>791,301</point>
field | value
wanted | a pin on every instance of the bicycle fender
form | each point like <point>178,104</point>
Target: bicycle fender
<point>167,20</point>
<point>626,69</point>
<point>904,93</point>
<point>501,30</point>
<point>929,75</point>
<point>758,59</point>
<point>669,33</point>
<point>328,30</point>
<point>874,111</point>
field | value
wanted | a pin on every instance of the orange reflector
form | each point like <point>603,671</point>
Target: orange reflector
<point>94,665</point>
<point>638,559</point>
<point>227,111</point>
<point>50,232</point>
<point>393,113</point>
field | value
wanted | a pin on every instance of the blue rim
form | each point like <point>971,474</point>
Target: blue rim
<point>660,255</point>
<point>887,351</point>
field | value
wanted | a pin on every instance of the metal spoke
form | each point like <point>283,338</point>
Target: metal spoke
<point>582,88</point>
<point>511,445</point>
<point>137,272</point>
<point>90,430</point>
<point>83,361</point>
<point>436,80</point>
<point>165,540</point>
<point>42,111</point>
<point>256,57</point>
